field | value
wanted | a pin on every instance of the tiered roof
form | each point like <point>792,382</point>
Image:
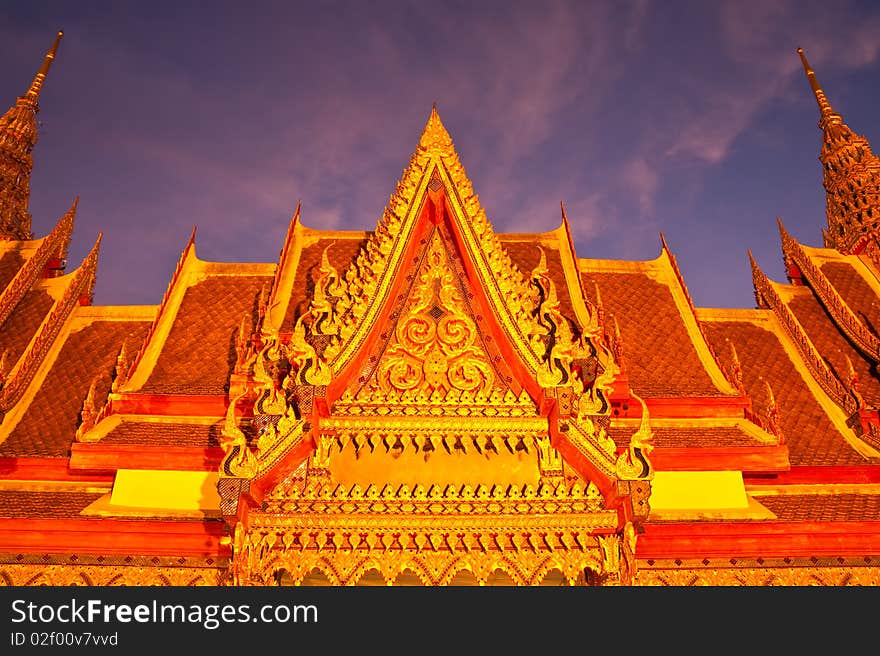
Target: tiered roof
<point>307,392</point>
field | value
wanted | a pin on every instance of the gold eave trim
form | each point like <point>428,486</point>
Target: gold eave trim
<point>403,522</point>
<point>193,271</point>
<point>85,315</point>
<point>756,316</point>
<point>587,265</point>
<point>239,269</point>
<point>689,320</point>
<point>437,424</point>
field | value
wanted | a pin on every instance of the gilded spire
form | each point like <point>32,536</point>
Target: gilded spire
<point>33,94</point>
<point>851,177</point>
<point>18,136</point>
<point>828,114</point>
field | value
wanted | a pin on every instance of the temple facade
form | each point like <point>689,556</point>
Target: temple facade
<point>430,402</point>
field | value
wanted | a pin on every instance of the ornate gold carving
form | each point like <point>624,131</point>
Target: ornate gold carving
<point>633,463</point>
<point>243,347</point>
<point>89,412</point>
<point>429,569</point>
<point>560,496</point>
<point>426,440</point>
<point>122,368</point>
<point>736,373</point>
<point>435,340</point>
<point>328,291</point>
<point>310,367</point>
<point>629,565</point>
<point>610,545</point>
<point>100,575</point>
<point>772,412</point>
<point>497,403</point>
<point>549,459</point>
<point>550,335</point>
<point>593,442</point>
<point>437,546</point>
<point>238,460</point>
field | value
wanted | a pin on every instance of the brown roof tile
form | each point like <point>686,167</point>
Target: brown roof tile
<point>162,434</point>
<point>832,344</point>
<point>49,424</point>
<point>343,251</point>
<point>10,263</point>
<point>811,437</point>
<point>857,293</point>
<point>688,437</point>
<point>44,505</point>
<point>22,324</point>
<point>199,353</point>
<point>660,357</point>
<point>824,507</point>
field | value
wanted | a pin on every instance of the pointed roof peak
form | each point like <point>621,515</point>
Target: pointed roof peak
<point>33,93</point>
<point>435,137</point>
<point>782,230</point>
<point>752,261</point>
<point>828,114</point>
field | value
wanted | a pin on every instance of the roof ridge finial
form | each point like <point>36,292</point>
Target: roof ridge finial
<point>828,114</point>
<point>435,137</point>
<point>33,93</point>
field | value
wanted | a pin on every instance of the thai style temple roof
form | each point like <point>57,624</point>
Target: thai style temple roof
<point>428,397</point>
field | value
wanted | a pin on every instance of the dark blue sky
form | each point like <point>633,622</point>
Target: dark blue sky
<point>690,118</point>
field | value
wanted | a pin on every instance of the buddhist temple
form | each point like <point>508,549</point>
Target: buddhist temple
<point>431,402</point>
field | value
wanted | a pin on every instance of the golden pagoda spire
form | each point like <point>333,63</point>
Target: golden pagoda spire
<point>828,114</point>
<point>18,136</point>
<point>33,94</point>
<point>851,177</point>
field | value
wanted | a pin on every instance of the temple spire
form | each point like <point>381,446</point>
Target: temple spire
<point>33,94</point>
<point>18,136</point>
<point>851,176</point>
<point>828,114</point>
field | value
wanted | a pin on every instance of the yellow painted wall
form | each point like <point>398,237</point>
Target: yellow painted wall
<point>172,490</point>
<point>712,490</point>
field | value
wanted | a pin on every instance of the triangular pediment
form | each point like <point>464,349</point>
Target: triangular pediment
<point>435,191</point>
<point>432,360</point>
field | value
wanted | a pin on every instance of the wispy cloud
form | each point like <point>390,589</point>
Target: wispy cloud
<point>613,107</point>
